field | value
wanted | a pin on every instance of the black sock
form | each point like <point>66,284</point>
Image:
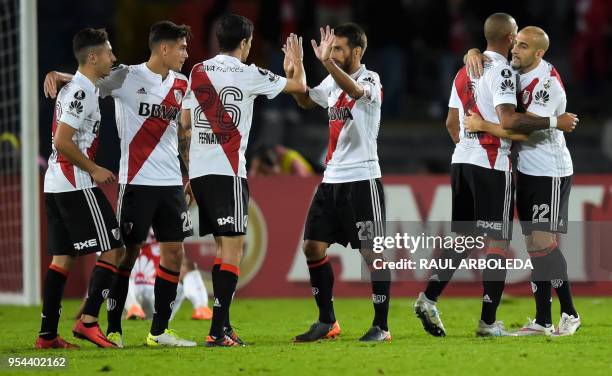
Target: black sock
<point>541,287</point>
<point>227,279</point>
<point>322,282</point>
<point>493,281</point>
<point>215,273</point>
<point>55,280</point>
<point>166,283</point>
<point>440,277</point>
<point>99,287</point>
<point>381,286</point>
<point>116,299</point>
<point>561,283</point>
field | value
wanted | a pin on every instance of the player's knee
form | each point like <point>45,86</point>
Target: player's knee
<point>188,265</point>
<point>129,256</point>
<point>113,257</point>
<point>64,262</point>
<point>314,250</point>
<point>172,256</point>
<point>541,240</point>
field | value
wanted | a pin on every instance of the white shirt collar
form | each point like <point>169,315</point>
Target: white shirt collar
<point>85,82</point>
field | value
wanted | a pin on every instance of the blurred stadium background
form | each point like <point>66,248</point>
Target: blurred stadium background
<point>415,45</point>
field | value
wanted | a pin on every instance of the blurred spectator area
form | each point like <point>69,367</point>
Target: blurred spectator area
<point>415,45</point>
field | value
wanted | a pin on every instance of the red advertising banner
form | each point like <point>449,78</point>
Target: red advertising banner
<point>274,265</point>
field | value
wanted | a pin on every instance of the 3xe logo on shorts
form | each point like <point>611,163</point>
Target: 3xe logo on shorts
<point>489,225</point>
<point>225,221</point>
<point>86,244</point>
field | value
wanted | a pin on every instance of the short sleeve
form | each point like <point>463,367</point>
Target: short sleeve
<point>372,88</point>
<point>76,106</point>
<point>111,84</point>
<point>320,94</point>
<point>548,100</point>
<point>453,100</point>
<point>189,100</point>
<point>264,82</point>
<point>502,83</point>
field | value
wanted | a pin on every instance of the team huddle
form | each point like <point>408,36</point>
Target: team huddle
<point>202,122</point>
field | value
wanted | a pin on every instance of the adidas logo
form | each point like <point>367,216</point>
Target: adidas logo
<point>434,277</point>
<point>217,304</point>
<point>141,91</point>
<point>486,299</point>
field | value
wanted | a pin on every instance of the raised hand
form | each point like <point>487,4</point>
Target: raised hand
<point>323,50</point>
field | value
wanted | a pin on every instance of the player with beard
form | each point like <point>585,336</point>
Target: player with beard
<point>349,205</point>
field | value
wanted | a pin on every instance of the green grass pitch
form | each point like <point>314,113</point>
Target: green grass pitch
<point>269,325</point>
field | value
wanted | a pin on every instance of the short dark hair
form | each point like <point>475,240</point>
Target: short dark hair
<point>86,39</point>
<point>167,31</point>
<point>233,28</point>
<point>354,33</point>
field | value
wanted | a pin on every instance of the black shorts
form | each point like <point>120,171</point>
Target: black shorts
<point>483,201</point>
<point>80,222</point>
<point>164,208</point>
<point>542,202</point>
<point>223,204</point>
<point>346,213</point>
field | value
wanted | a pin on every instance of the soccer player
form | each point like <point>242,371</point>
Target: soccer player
<point>543,181</point>
<point>80,218</point>
<point>349,205</point>
<point>481,178</point>
<point>148,97</point>
<point>219,109</point>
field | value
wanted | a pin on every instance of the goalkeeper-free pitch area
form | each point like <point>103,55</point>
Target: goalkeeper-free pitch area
<point>269,325</point>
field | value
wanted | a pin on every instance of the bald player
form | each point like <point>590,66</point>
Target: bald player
<point>481,177</point>
<point>543,181</point>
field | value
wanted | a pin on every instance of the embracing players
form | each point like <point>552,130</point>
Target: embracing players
<point>543,181</point>
<point>349,205</point>
<point>481,178</point>
<point>219,110</point>
<point>148,99</point>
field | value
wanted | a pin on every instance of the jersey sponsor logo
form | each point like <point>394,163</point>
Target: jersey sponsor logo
<point>210,138</point>
<point>340,113</point>
<point>489,225</point>
<point>507,85</point>
<point>80,95</point>
<point>225,220</point>
<point>541,97</point>
<point>75,108</point>
<point>506,73</point>
<point>159,111</point>
<point>79,246</point>
<point>214,68</point>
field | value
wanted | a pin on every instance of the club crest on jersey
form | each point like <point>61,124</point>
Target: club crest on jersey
<point>340,113</point>
<point>546,84</point>
<point>178,95</point>
<point>159,111</point>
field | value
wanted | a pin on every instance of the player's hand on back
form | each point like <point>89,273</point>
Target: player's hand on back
<point>53,79</point>
<point>567,122</point>
<point>473,122</point>
<point>323,50</point>
<point>102,176</point>
<point>474,61</point>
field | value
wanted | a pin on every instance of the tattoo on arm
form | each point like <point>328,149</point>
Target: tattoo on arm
<point>184,140</point>
<point>521,123</point>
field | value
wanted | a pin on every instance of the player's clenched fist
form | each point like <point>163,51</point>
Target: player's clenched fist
<point>102,176</point>
<point>567,122</point>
